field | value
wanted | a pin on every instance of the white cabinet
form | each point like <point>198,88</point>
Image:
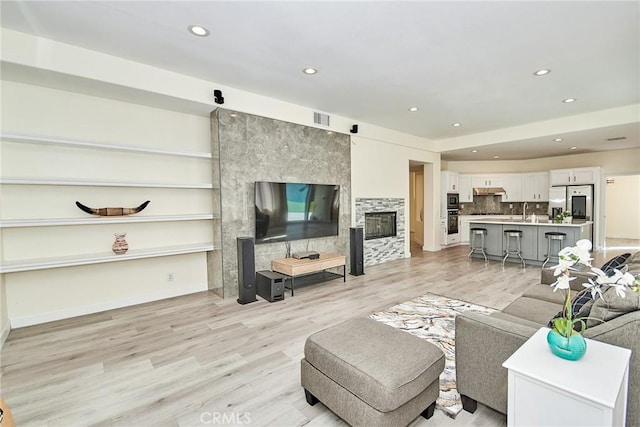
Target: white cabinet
<point>575,176</point>
<point>453,238</point>
<point>546,390</point>
<point>465,189</point>
<point>486,181</point>
<point>449,181</point>
<point>443,231</point>
<point>535,187</point>
<point>512,185</point>
<point>465,227</point>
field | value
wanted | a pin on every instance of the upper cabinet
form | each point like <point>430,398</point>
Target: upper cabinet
<point>449,182</point>
<point>512,184</point>
<point>465,189</point>
<point>535,187</point>
<point>574,176</point>
<point>486,181</point>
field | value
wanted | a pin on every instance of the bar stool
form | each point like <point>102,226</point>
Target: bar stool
<point>517,234</point>
<point>477,231</point>
<point>553,236</point>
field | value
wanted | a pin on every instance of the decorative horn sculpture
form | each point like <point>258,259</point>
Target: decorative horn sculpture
<point>112,211</point>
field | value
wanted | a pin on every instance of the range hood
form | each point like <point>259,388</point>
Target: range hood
<point>489,191</point>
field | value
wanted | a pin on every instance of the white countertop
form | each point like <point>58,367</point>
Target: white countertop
<point>519,221</point>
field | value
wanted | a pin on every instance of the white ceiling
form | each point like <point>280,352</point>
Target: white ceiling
<point>467,62</point>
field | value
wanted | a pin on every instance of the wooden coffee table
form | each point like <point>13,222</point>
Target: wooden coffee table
<point>294,267</point>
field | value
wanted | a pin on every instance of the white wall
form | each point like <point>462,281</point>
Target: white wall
<point>5,325</point>
<point>380,169</point>
<point>623,207</point>
<point>611,162</point>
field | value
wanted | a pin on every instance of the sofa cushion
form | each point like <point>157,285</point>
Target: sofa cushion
<point>633,264</point>
<point>535,310</point>
<point>383,366</point>
<point>612,305</point>
<point>544,293</point>
<point>514,319</point>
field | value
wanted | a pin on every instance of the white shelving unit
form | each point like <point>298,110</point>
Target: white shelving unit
<point>18,223</point>
<point>71,261</point>
<point>45,140</point>
<point>67,182</point>
<point>107,257</point>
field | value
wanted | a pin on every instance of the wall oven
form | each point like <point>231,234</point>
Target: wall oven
<point>452,221</point>
<point>453,201</point>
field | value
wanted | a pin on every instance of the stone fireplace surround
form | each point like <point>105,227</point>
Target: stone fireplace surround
<point>377,251</point>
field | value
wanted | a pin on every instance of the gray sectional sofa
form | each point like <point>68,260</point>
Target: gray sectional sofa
<point>483,343</point>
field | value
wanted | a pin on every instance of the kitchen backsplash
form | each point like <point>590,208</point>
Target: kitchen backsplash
<point>495,205</point>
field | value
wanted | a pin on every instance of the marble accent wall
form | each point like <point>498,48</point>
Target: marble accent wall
<point>377,251</point>
<point>254,148</point>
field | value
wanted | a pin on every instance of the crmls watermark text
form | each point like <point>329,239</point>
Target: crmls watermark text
<point>225,418</point>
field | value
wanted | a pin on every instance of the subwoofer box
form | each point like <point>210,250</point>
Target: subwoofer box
<point>270,285</point>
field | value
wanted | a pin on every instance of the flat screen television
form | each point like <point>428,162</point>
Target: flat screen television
<point>288,211</point>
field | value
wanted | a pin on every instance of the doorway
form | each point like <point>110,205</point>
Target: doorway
<point>622,213</point>
<point>416,208</point>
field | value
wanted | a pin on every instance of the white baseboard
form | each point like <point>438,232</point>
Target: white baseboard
<point>36,319</point>
<point>4,334</point>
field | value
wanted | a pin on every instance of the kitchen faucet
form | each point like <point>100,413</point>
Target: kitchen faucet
<point>525,205</point>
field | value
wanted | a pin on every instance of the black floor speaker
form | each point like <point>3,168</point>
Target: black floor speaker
<point>246,271</point>
<point>356,238</point>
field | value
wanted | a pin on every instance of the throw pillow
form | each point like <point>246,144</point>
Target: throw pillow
<point>615,262</point>
<point>611,305</point>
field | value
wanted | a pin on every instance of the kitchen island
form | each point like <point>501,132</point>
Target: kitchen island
<point>533,243</point>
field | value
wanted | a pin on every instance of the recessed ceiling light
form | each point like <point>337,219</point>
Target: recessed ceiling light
<point>557,139</point>
<point>496,157</point>
<point>542,72</point>
<point>474,151</point>
<point>573,148</point>
<point>198,30</point>
<point>413,109</point>
<point>309,71</point>
<point>456,125</point>
<point>569,100</point>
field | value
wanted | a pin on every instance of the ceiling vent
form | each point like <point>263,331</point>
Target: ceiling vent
<point>321,119</point>
<point>617,138</point>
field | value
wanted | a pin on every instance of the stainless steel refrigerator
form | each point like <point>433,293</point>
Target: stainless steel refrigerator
<point>575,199</point>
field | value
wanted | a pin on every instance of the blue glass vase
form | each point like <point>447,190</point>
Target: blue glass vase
<point>572,348</point>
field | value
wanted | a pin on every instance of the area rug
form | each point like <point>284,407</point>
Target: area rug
<point>432,317</point>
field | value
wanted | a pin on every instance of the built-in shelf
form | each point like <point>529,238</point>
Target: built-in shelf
<point>69,182</point>
<point>45,140</point>
<point>19,223</point>
<point>100,258</point>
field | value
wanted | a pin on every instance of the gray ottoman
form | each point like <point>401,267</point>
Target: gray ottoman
<point>370,374</point>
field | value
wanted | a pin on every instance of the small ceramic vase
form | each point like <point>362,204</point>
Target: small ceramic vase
<point>572,348</point>
<point>120,245</point>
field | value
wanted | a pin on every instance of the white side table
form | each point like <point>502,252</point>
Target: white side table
<point>545,390</point>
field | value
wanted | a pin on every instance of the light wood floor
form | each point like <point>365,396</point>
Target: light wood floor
<point>186,360</point>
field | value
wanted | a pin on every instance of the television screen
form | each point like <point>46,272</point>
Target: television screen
<point>293,211</point>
